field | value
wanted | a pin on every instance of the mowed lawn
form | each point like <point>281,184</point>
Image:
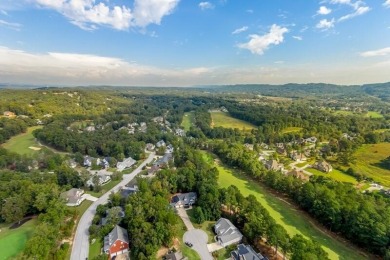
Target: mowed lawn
<point>20,144</point>
<point>188,120</point>
<point>13,241</point>
<point>284,213</point>
<point>222,119</point>
<point>335,174</point>
<point>368,158</point>
<point>373,114</point>
<point>291,130</point>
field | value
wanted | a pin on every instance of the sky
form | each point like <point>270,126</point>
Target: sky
<point>191,42</point>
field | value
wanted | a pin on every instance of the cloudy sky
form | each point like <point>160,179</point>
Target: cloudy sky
<point>189,42</point>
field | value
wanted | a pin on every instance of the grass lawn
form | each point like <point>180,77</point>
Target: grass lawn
<point>380,131</point>
<point>95,249</point>
<point>187,251</point>
<point>105,188</point>
<point>188,120</point>
<point>291,130</point>
<point>206,226</point>
<point>368,158</point>
<point>20,144</point>
<point>13,241</point>
<point>284,213</point>
<point>300,165</point>
<point>335,174</point>
<point>373,114</point>
<point>223,119</point>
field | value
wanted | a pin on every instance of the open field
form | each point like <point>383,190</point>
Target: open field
<point>223,119</point>
<point>188,120</point>
<point>291,130</point>
<point>335,174</point>
<point>21,143</point>
<point>373,114</point>
<point>285,214</point>
<point>13,241</point>
<point>368,158</point>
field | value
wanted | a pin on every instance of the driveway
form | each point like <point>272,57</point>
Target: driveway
<point>198,238</point>
<point>80,247</point>
<point>183,215</point>
<point>214,247</point>
<point>89,197</point>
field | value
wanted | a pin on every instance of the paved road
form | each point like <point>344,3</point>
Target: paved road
<point>80,247</point>
<point>198,238</point>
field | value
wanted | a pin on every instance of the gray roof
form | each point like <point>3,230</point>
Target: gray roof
<point>72,195</point>
<point>175,256</point>
<point>245,252</point>
<point>184,198</point>
<point>164,160</point>
<point>117,233</point>
<point>226,231</point>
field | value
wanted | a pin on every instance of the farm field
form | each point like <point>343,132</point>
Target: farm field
<point>13,241</point>
<point>222,119</point>
<point>291,130</point>
<point>284,213</point>
<point>368,158</point>
<point>21,143</point>
<point>335,174</point>
<point>188,120</point>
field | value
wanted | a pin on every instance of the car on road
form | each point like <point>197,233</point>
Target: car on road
<point>188,244</point>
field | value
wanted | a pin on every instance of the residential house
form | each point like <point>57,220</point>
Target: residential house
<point>73,197</point>
<point>312,139</point>
<point>227,233</point>
<point>126,191</point>
<point>180,132</point>
<point>164,160</point>
<point>116,242</point>
<point>298,174</point>
<point>183,200</point>
<point>169,149</point>
<point>90,128</point>
<point>273,165</point>
<point>153,170</point>
<point>9,114</point>
<point>249,146</point>
<point>297,156</point>
<point>87,161</point>
<point>127,163</point>
<point>323,166</point>
<point>175,256</point>
<point>245,252</point>
<point>72,163</point>
<point>104,163</point>
<point>103,179</point>
<point>264,146</point>
<point>281,150</point>
<point>150,147</point>
<point>160,143</point>
<point>158,119</point>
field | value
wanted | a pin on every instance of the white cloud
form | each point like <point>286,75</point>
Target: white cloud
<point>324,10</point>
<point>387,3</point>
<point>325,24</point>
<point>299,38</point>
<point>359,7</point>
<point>358,11</point>
<point>240,30</point>
<point>375,53</point>
<point>88,14</point>
<point>206,5</point>
<point>9,25</point>
<point>259,43</point>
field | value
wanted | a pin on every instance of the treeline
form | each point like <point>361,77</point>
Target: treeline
<point>364,219</point>
<point>12,127</point>
<point>194,173</point>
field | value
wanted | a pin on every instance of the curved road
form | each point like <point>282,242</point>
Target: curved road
<point>80,248</point>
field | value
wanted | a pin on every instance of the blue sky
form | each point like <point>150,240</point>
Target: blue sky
<point>188,42</point>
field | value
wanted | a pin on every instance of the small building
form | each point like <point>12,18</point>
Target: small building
<point>312,139</point>
<point>163,161</point>
<point>323,166</point>
<point>103,179</point>
<point>116,242</point>
<point>127,163</point>
<point>245,252</point>
<point>160,143</point>
<point>9,114</point>
<point>298,174</point>
<point>175,256</point>
<point>273,165</point>
<point>153,170</point>
<point>169,149</point>
<point>227,233</point>
<point>297,156</point>
<point>150,147</point>
<point>281,151</point>
<point>126,191</point>
<point>180,132</point>
<point>249,146</point>
<point>87,161</point>
<point>183,200</point>
<point>73,197</point>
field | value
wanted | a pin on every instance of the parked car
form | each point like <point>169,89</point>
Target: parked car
<point>188,244</point>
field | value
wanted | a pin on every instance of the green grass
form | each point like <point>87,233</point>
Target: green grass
<point>284,213</point>
<point>380,131</point>
<point>300,165</point>
<point>95,249</point>
<point>373,114</point>
<point>188,252</point>
<point>335,174</point>
<point>206,226</point>
<point>368,158</point>
<point>105,188</point>
<point>13,241</point>
<point>291,130</point>
<point>188,120</point>
<point>221,119</point>
<point>20,144</point>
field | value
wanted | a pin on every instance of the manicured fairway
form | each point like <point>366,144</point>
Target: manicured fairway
<point>21,143</point>
<point>188,120</point>
<point>291,130</point>
<point>223,119</point>
<point>13,241</point>
<point>284,213</point>
<point>368,158</point>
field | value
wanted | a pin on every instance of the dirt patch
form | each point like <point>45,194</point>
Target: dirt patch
<point>20,223</point>
<point>35,148</point>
